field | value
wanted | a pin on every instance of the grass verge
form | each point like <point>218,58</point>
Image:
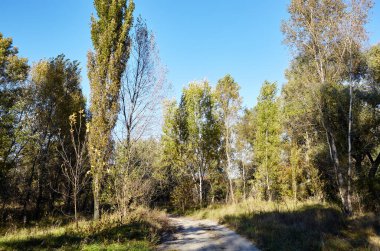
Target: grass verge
<point>303,226</point>
<point>141,231</point>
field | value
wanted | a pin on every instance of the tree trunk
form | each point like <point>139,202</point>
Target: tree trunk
<point>200,192</point>
<point>75,209</point>
<point>244,181</point>
<point>231,190</point>
<point>374,165</point>
<point>96,190</point>
<point>343,191</point>
<point>349,151</point>
<point>294,182</point>
<point>227,192</point>
<point>228,148</point>
<point>268,192</point>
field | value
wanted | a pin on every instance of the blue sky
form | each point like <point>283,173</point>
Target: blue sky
<point>197,39</point>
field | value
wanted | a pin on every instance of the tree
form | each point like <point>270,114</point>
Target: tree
<point>169,174</point>
<point>365,130</point>
<point>267,140</point>
<point>143,89</point>
<point>370,94</point>
<point>329,35</point>
<point>74,166</point>
<point>199,134</point>
<point>144,85</point>
<point>13,72</point>
<point>303,142</point>
<point>106,65</point>
<point>229,104</point>
<point>354,33</point>
<point>54,94</point>
<point>244,147</point>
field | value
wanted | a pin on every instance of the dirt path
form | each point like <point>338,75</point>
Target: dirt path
<point>204,235</point>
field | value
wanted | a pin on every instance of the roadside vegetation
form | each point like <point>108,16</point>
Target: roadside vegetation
<point>309,225</point>
<point>140,231</point>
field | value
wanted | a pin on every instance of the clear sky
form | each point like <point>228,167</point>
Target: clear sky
<point>198,39</point>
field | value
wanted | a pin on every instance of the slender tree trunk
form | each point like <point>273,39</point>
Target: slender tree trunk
<point>213,193</point>
<point>96,190</point>
<point>343,191</point>
<point>227,193</point>
<point>228,152</point>
<point>200,192</point>
<point>294,181</point>
<point>232,191</point>
<point>75,194</point>
<point>269,195</point>
<point>349,152</point>
<point>244,181</point>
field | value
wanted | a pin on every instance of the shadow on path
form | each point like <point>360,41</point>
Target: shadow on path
<point>204,235</point>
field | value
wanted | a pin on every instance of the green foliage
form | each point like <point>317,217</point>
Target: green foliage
<point>373,58</point>
<point>169,172</point>
<point>110,38</point>
<point>228,99</point>
<point>308,109</point>
<point>55,94</point>
<point>328,45</point>
<point>183,196</point>
<point>191,139</point>
<point>13,71</point>
<point>267,141</point>
<point>228,106</point>
<point>199,133</point>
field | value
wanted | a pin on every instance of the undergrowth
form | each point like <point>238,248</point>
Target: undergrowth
<point>309,225</point>
<point>140,231</point>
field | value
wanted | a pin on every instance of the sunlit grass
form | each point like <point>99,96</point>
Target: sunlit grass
<point>308,225</point>
<point>140,231</point>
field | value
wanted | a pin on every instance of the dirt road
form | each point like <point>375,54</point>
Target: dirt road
<point>204,235</point>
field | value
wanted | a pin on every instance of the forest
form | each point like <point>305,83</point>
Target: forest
<point>301,166</point>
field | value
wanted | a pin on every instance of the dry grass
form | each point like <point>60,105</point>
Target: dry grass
<point>140,231</point>
<point>308,225</point>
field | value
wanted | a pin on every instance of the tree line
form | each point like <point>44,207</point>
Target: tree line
<point>316,137</point>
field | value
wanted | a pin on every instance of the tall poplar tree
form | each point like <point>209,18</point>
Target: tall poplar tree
<point>106,65</point>
<point>199,133</point>
<point>229,104</point>
<point>267,139</point>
